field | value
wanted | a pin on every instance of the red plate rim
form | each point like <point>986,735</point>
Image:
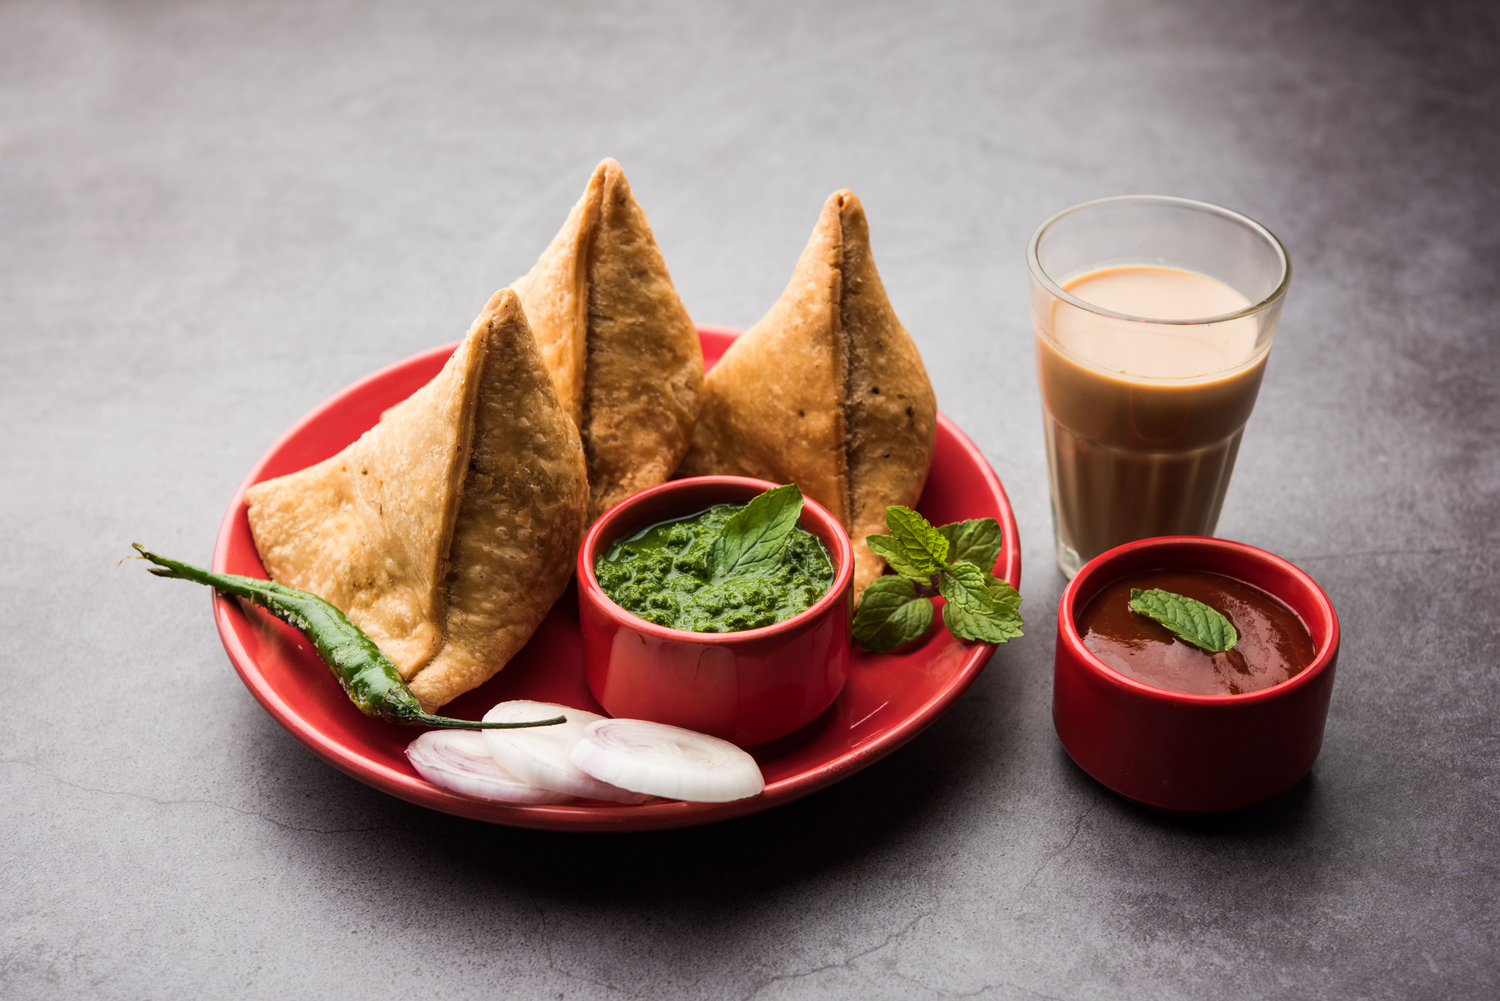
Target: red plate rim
<point>405,784</point>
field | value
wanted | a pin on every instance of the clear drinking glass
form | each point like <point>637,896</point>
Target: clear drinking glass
<point>1153,317</point>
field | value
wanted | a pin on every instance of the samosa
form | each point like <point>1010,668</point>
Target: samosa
<point>447,531</point>
<point>622,349</point>
<point>827,391</point>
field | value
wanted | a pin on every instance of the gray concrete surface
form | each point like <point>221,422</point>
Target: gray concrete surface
<point>214,215</point>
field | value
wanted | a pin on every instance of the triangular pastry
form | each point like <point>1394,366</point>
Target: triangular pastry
<point>447,531</point>
<point>827,391</point>
<point>622,349</point>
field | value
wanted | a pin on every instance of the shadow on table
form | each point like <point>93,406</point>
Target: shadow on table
<point>747,856</point>
<point>889,807</point>
<point>882,817</point>
<point>1284,814</point>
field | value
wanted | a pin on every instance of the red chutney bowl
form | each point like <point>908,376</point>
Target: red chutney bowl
<point>748,687</point>
<point>1192,753</point>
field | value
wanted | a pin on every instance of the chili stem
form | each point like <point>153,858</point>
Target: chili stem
<point>368,676</point>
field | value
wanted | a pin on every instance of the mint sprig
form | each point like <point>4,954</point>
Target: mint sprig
<point>891,613</point>
<point>1188,618</point>
<point>977,540</point>
<point>755,537</point>
<point>895,557</point>
<point>921,547</point>
<point>954,561</point>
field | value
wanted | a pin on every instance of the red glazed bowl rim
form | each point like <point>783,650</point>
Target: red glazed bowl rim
<point>1105,568</point>
<point>604,532</point>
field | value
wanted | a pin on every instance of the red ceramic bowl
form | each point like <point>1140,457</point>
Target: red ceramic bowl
<point>1192,753</point>
<point>748,687</point>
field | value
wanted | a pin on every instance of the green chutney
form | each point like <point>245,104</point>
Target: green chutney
<point>663,575</point>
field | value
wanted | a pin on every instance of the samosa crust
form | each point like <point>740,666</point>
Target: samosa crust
<point>644,375</point>
<point>827,391</point>
<point>773,405</point>
<point>521,517</point>
<point>621,347</point>
<point>450,528</point>
<point>890,408</point>
<point>554,295</point>
<point>368,529</point>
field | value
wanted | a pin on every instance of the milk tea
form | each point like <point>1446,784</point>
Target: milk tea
<point>1143,419</point>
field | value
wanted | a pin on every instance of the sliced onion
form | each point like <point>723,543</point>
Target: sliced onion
<point>666,761</point>
<point>460,760</point>
<point>539,755</point>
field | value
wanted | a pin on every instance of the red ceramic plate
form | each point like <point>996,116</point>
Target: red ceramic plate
<point>889,698</point>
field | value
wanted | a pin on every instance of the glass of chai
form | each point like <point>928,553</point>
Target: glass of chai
<point>1153,317</point>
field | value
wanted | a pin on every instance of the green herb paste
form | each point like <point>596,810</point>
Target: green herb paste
<point>664,575</point>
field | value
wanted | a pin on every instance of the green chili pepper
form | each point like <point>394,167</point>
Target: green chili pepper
<point>372,681</point>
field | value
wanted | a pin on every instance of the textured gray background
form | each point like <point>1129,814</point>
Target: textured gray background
<point>213,216</point>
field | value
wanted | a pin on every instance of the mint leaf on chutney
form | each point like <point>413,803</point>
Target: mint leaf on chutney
<point>730,568</point>
<point>756,535</point>
<point>1189,619</point>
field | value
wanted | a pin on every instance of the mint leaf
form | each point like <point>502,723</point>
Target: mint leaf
<point>1001,625</point>
<point>1191,620</point>
<point>922,547</point>
<point>890,614</point>
<point>979,606</point>
<point>755,537</point>
<point>958,558</point>
<point>963,584</point>
<point>1001,593</point>
<point>895,557</point>
<point>977,540</point>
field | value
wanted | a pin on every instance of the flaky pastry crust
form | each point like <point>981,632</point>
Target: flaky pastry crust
<point>449,529</point>
<point>621,347</point>
<point>827,391</point>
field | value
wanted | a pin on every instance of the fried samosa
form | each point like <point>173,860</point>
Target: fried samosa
<point>621,348</point>
<point>827,391</point>
<point>447,531</point>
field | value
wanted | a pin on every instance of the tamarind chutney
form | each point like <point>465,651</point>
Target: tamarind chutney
<point>1274,644</point>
